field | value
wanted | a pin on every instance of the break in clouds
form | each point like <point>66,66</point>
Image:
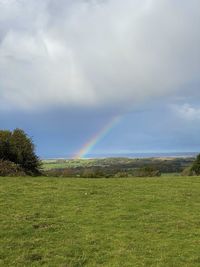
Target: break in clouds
<point>96,53</point>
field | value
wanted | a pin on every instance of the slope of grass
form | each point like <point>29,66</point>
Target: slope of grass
<point>100,222</point>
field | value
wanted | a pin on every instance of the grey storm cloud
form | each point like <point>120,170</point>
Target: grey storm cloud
<point>96,53</point>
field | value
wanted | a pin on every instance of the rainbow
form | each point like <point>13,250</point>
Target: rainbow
<point>88,146</point>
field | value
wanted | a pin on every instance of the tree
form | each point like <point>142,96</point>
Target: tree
<point>5,145</point>
<point>17,147</point>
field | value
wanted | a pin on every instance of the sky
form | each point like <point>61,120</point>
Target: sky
<point>68,69</point>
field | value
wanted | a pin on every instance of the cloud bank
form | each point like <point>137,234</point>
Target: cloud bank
<point>96,53</point>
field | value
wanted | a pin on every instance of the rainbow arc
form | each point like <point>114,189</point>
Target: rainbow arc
<point>89,145</point>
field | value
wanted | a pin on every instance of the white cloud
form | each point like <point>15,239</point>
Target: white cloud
<point>96,52</point>
<point>187,112</point>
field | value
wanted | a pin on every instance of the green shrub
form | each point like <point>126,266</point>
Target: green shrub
<point>121,174</point>
<point>91,173</point>
<point>195,169</point>
<point>8,168</point>
<point>188,172</point>
<point>60,173</point>
<point>147,171</point>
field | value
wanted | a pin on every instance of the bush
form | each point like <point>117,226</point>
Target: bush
<point>91,173</point>
<point>195,169</point>
<point>8,168</point>
<point>121,174</point>
<point>60,173</point>
<point>147,172</point>
<point>187,172</point>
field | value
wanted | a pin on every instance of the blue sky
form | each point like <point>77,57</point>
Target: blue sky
<point>68,67</point>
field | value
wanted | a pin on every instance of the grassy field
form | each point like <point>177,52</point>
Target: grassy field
<point>100,222</point>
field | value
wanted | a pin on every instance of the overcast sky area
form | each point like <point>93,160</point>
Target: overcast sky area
<point>67,67</point>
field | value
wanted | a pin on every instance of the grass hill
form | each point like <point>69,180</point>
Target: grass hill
<point>102,222</point>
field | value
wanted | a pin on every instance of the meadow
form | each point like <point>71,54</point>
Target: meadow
<point>77,222</point>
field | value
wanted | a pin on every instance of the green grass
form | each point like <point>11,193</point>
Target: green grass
<point>100,222</point>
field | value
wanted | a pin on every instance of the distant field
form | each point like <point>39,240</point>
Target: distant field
<point>60,164</point>
<point>100,222</point>
<point>74,163</point>
<point>165,164</point>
